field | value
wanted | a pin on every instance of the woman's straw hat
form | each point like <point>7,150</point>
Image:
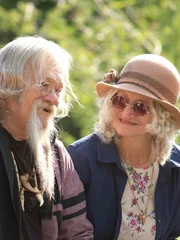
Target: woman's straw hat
<point>150,75</point>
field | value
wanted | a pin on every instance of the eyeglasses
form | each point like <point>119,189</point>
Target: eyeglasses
<point>120,103</point>
<point>46,88</point>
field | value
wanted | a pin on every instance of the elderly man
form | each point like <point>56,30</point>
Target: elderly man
<point>41,196</point>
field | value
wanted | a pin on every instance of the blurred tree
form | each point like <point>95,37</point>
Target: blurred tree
<point>100,34</point>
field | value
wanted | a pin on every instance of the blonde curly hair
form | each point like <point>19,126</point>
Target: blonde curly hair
<point>162,127</point>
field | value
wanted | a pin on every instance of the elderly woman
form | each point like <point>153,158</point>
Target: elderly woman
<point>130,165</point>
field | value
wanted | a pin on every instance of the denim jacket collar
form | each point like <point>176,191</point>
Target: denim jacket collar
<point>108,153</point>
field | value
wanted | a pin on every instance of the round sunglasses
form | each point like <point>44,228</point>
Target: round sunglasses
<point>120,103</point>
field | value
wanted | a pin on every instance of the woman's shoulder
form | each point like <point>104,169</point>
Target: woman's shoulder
<point>175,154</point>
<point>85,148</point>
<point>85,141</point>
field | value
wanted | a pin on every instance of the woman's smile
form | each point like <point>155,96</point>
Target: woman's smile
<point>127,122</point>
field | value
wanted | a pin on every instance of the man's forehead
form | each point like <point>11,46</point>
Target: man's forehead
<point>57,81</point>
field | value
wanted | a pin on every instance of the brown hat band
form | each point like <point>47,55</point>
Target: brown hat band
<point>150,84</point>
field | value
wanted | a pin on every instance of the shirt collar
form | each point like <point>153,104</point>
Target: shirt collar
<point>108,153</point>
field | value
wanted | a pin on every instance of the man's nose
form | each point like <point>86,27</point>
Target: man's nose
<point>52,98</point>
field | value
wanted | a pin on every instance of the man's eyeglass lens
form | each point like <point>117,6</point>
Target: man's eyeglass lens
<point>45,88</point>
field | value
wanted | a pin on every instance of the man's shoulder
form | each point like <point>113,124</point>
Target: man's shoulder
<point>58,143</point>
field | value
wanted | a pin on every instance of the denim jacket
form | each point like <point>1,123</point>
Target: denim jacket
<point>104,180</point>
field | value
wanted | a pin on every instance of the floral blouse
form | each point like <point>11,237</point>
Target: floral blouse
<point>143,183</point>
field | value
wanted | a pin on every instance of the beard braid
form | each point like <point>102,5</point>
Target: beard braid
<point>40,143</point>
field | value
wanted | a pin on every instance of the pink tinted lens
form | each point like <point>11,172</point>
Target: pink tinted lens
<point>140,108</point>
<point>119,102</point>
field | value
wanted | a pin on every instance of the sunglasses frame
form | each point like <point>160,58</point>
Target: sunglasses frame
<point>131,105</point>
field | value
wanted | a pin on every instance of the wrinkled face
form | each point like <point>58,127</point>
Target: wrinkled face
<point>131,113</point>
<point>20,110</point>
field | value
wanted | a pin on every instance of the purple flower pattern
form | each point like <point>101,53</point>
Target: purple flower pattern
<point>141,185</point>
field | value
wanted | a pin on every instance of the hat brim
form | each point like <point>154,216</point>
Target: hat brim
<point>103,88</point>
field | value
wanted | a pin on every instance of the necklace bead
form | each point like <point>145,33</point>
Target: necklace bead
<point>143,213</point>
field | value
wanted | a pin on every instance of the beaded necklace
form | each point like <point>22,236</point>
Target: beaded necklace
<point>143,212</point>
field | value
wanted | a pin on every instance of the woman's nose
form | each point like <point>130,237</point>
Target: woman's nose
<point>128,110</point>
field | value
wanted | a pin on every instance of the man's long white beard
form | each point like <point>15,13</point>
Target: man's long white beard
<point>40,143</point>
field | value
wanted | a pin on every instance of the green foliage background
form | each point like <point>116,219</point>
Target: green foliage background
<point>100,35</point>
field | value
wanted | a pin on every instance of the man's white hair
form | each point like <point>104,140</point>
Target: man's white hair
<point>46,59</point>
<point>28,61</point>
<point>40,143</point>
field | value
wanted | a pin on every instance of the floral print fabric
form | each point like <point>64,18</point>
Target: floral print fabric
<point>143,183</point>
